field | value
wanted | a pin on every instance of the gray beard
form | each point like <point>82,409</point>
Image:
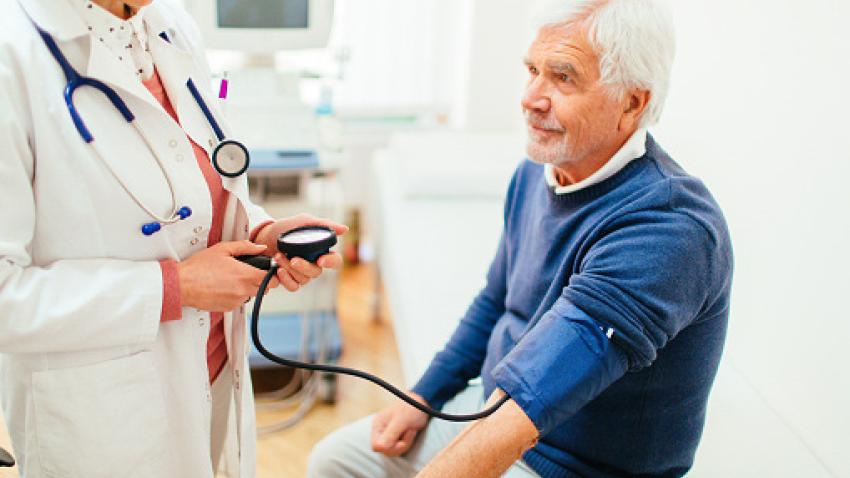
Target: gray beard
<point>558,153</point>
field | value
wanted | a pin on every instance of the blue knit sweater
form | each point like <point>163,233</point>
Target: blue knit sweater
<point>604,318</point>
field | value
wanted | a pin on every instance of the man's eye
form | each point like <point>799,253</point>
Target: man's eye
<point>532,70</point>
<point>563,77</point>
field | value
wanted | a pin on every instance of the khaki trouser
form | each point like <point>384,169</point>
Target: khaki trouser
<point>347,452</point>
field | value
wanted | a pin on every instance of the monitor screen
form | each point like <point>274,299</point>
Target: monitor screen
<point>263,13</point>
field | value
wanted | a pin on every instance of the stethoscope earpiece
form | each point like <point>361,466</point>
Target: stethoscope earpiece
<point>152,228</point>
<point>184,212</point>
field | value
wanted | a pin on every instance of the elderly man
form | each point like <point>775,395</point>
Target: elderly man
<point>605,310</point>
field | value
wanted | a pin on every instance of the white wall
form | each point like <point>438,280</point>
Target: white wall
<point>758,109</point>
<point>490,69</point>
<point>398,52</point>
<point>463,57</point>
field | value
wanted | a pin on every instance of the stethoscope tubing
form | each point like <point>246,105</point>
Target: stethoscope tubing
<point>74,81</point>
<point>174,217</point>
<point>205,109</point>
<point>255,336</point>
<point>80,81</point>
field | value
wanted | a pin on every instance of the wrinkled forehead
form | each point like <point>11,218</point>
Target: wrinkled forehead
<point>564,44</point>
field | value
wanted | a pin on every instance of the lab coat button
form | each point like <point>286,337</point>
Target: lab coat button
<point>194,241</point>
<point>201,321</point>
<point>173,143</point>
<point>199,229</point>
<point>212,142</point>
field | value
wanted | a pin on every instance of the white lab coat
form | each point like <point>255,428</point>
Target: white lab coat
<point>92,384</point>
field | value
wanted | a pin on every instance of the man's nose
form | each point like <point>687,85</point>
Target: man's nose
<point>535,96</point>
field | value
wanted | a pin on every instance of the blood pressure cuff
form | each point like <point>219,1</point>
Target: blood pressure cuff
<point>566,360</point>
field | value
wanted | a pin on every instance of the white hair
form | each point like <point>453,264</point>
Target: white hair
<point>634,40</point>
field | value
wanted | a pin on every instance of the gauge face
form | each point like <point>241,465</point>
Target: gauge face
<point>309,242</point>
<point>307,236</point>
<point>231,158</point>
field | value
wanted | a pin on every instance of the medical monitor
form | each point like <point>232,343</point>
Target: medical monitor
<point>263,26</point>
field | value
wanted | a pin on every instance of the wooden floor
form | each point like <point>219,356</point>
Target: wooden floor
<point>368,345</point>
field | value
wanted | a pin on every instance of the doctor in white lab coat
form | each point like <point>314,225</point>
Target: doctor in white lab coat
<point>93,384</point>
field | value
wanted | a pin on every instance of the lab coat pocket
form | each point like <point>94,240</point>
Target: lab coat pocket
<point>102,420</point>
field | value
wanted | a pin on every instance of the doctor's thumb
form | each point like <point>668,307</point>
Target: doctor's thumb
<point>241,248</point>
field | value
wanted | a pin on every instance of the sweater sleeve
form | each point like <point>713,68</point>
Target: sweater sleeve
<point>462,358</point>
<point>636,289</point>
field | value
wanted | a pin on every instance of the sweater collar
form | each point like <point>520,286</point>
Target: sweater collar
<point>634,148</point>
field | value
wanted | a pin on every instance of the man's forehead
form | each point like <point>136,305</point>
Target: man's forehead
<point>564,39</point>
<point>560,45</point>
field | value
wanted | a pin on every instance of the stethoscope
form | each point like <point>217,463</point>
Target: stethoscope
<point>230,158</point>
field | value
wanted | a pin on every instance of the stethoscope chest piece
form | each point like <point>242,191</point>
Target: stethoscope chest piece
<point>230,158</point>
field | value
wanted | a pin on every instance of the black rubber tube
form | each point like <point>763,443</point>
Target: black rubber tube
<point>255,336</point>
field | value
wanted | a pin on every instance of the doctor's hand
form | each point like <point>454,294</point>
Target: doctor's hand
<point>214,281</point>
<point>395,428</point>
<point>298,272</point>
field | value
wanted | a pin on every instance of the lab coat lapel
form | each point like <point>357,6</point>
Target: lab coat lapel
<point>56,18</point>
<point>106,67</point>
<point>176,66</point>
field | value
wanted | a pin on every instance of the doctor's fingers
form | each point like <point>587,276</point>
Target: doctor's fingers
<point>239,248</point>
<point>305,268</point>
<point>300,274</point>
<point>287,281</point>
<point>272,285</point>
<point>310,220</point>
<point>330,261</point>
<point>254,278</point>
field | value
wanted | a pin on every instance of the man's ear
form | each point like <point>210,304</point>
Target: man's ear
<point>634,105</point>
